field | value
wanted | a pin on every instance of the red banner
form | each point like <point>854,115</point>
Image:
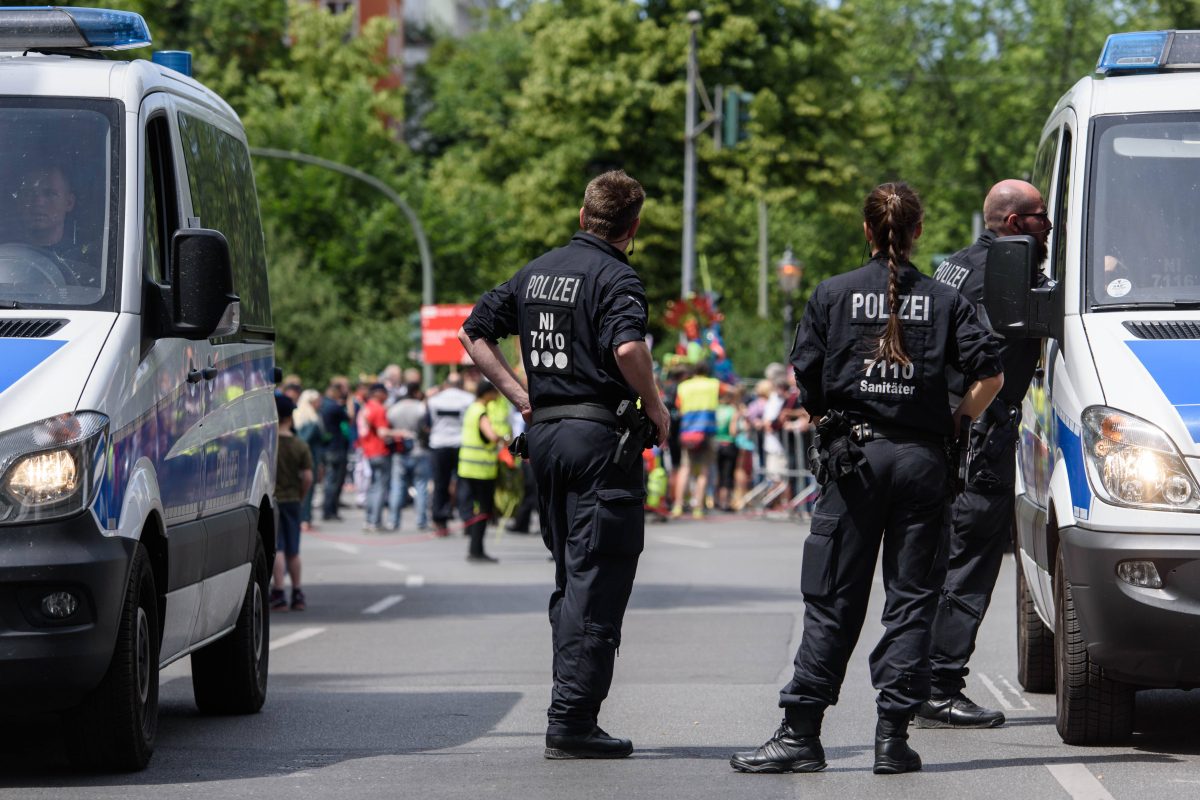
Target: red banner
<point>439,334</point>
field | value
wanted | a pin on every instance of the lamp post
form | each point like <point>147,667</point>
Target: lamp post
<point>790,272</point>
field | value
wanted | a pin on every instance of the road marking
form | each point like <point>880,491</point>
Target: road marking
<point>296,636</point>
<point>1080,783</point>
<point>392,565</point>
<point>1025,705</point>
<point>685,542</point>
<point>1004,701</point>
<point>384,604</point>
<point>345,548</point>
<point>414,580</point>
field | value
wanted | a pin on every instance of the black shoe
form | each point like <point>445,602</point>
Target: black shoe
<point>596,744</point>
<point>793,748</point>
<point>482,558</point>
<point>892,753</point>
<point>956,711</point>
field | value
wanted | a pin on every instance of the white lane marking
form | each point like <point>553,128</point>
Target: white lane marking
<point>392,565</point>
<point>1080,783</point>
<point>678,540</point>
<point>346,548</point>
<point>295,636</point>
<point>414,580</point>
<point>384,604</point>
<point>1025,705</point>
<point>1005,703</point>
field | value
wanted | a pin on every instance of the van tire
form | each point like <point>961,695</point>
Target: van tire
<point>229,676</point>
<point>116,725</point>
<point>1035,641</point>
<point>1091,708</point>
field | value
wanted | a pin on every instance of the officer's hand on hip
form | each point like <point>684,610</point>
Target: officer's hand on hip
<point>658,414</point>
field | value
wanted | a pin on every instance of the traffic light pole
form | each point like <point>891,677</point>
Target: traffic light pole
<point>689,162</point>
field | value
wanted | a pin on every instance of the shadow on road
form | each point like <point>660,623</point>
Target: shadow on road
<point>295,732</point>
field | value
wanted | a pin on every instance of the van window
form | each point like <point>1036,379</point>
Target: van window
<point>223,197</point>
<point>1058,263</point>
<point>59,203</point>
<point>1141,231</point>
<point>1043,163</point>
<point>160,213</point>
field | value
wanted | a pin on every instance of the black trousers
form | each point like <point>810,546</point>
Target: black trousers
<point>445,465</point>
<point>898,500</point>
<point>476,500</point>
<point>336,462</point>
<point>981,527</point>
<point>594,524</point>
<point>529,499</point>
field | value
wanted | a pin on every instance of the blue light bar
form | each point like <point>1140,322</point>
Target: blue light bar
<point>1133,52</point>
<point>178,60</point>
<point>59,28</point>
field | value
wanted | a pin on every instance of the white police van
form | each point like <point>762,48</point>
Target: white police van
<point>1108,506</point>
<point>137,422</point>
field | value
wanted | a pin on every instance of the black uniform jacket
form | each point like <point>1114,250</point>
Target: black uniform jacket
<point>836,342</point>
<point>964,271</point>
<point>571,307</point>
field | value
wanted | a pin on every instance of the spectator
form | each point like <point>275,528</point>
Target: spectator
<point>446,409</point>
<point>697,399</point>
<point>409,418</point>
<point>727,450</point>
<point>743,437</point>
<point>374,444</point>
<point>292,386</point>
<point>478,460</point>
<point>336,419</point>
<point>308,426</point>
<point>391,378</point>
<point>293,479</point>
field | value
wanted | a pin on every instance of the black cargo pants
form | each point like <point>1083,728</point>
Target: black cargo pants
<point>898,499</point>
<point>592,520</point>
<point>981,526</point>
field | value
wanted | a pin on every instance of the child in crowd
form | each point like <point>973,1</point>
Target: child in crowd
<point>293,478</point>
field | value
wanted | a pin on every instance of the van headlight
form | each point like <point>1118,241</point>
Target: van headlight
<point>1133,463</point>
<point>51,468</point>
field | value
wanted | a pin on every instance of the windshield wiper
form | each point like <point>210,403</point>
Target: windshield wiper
<point>10,304</point>
<point>1166,305</point>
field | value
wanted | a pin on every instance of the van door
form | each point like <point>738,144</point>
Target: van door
<point>240,421</point>
<point>173,371</point>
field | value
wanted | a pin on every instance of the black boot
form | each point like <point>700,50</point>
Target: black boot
<point>795,747</point>
<point>892,753</point>
<point>595,744</point>
<point>957,711</point>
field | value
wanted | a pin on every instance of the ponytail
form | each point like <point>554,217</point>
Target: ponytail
<point>892,213</point>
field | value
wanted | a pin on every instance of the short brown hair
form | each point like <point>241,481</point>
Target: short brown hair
<point>611,203</point>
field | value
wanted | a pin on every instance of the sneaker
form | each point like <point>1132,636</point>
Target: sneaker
<point>369,528</point>
<point>278,600</point>
<point>697,513</point>
<point>956,711</point>
<point>482,558</point>
<point>297,600</point>
<point>676,512</point>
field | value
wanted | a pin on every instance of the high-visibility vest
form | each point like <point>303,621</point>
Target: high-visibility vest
<point>698,401</point>
<point>477,457</point>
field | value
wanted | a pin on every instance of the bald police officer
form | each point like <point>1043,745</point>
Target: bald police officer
<point>982,514</point>
<point>580,311</point>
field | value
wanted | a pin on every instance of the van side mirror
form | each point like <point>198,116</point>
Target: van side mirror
<point>1016,306</point>
<point>203,304</point>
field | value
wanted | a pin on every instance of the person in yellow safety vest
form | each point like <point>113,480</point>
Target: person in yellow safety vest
<point>697,399</point>
<point>477,464</point>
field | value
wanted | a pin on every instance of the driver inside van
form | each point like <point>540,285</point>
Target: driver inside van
<point>45,200</point>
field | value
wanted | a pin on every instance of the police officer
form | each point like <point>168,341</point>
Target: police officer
<point>580,311</point>
<point>870,358</point>
<point>982,514</point>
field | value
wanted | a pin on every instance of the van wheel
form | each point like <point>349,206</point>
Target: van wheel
<point>229,676</point>
<point>1035,642</point>
<point>1091,709</point>
<point>117,723</point>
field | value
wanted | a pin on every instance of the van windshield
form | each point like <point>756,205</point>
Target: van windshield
<point>59,203</point>
<point>1143,236</point>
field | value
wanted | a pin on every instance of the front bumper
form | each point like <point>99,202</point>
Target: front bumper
<point>1146,637</point>
<point>46,664</point>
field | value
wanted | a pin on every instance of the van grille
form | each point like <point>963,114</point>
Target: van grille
<point>29,328</point>
<point>1168,329</point>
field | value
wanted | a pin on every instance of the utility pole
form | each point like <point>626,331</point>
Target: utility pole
<point>763,311</point>
<point>689,159</point>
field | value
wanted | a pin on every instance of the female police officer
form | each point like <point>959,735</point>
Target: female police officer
<point>870,357</point>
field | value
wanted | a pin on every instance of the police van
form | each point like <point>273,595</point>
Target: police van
<point>137,422</point>
<point>1108,504</point>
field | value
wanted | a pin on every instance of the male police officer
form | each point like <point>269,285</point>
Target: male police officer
<point>580,311</point>
<point>982,514</point>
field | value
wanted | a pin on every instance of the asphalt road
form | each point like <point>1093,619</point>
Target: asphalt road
<point>416,674</point>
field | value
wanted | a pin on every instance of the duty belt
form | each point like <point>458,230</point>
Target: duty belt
<point>589,411</point>
<point>863,432</point>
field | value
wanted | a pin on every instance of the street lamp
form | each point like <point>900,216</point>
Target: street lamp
<point>790,272</point>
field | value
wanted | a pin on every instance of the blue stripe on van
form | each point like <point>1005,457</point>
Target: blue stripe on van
<point>18,357</point>
<point>1070,444</point>
<point>1173,364</point>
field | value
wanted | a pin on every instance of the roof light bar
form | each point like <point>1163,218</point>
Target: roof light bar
<point>59,28</point>
<point>1148,51</point>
